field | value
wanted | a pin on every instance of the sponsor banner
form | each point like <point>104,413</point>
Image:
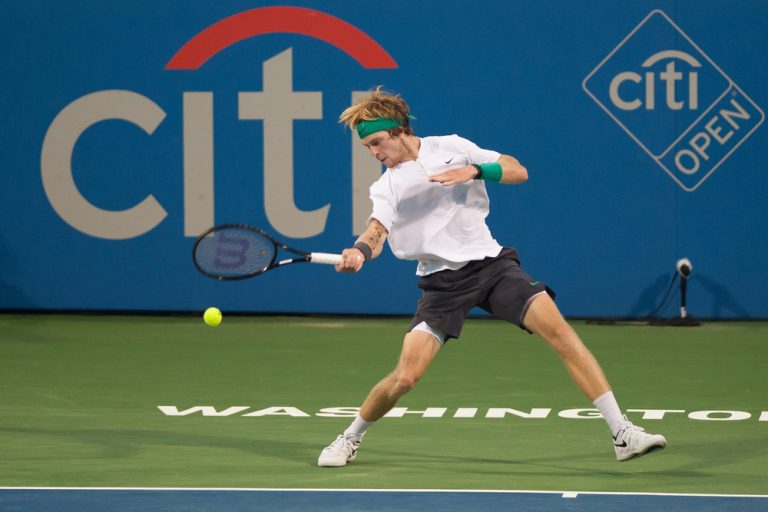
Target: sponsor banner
<point>119,151</point>
<point>673,100</point>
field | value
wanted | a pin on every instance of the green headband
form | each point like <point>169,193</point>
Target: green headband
<point>365,128</point>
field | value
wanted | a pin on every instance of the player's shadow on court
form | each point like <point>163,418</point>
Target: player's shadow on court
<point>120,443</point>
<point>549,466</point>
<point>692,461</point>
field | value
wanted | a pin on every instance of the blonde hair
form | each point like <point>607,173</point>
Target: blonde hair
<point>378,104</point>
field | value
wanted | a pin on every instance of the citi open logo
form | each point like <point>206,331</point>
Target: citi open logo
<point>673,100</point>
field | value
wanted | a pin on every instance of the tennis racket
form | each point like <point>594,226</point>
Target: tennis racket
<point>238,251</point>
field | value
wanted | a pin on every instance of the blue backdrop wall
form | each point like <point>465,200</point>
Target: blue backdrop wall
<point>130,126</point>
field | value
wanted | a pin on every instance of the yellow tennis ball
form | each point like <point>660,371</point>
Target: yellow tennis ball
<point>212,317</point>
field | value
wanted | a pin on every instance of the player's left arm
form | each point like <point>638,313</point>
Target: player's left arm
<point>512,172</point>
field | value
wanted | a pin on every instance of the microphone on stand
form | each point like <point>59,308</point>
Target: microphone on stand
<point>684,267</point>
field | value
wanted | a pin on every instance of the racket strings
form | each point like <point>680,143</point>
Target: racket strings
<point>234,252</point>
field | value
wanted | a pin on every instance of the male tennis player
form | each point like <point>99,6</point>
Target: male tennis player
<point>431,205</point>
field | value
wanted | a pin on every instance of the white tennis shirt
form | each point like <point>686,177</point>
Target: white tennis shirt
<point>441,227</point>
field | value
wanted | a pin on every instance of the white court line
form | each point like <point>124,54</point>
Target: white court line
<point>565,494</point>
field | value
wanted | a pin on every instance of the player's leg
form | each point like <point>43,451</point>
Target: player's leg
<point>544,318</point>
<point>419,349</point>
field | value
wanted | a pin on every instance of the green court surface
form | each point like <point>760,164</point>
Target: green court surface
<point>81,397</point>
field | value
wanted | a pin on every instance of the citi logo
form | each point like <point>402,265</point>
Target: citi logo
<point>277,106</point>
<point>674,101</point>
<point>668,79</point>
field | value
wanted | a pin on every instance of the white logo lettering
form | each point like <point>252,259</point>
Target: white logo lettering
<point>56,164</point>
<point>688,161</point>
<point>500,413</point>
<point>198,162</point>
<point>429,412</point>
<point>460,412</point>
<point>580,414</point>
<point>207,410</point>
<point>338,412</point>
<point>720,415</point>
<point>670,76</point>
<point>278,106</point>
<point>278,411</point>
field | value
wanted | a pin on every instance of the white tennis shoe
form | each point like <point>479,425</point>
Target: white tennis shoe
<point>632,441</point>
<point>339,452</point>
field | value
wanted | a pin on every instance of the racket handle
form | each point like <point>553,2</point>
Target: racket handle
<point>325,258</point>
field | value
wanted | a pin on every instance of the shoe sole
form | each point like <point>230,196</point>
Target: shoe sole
<point>652,448</point>
<point>332,465</point>
<point>335,465</point>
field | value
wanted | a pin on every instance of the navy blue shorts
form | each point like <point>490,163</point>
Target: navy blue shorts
<point>498,285</point>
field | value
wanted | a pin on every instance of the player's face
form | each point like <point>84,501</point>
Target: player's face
<point>388,150</point>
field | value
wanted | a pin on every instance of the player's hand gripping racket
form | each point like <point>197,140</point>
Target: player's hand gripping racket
<point>237,251</point>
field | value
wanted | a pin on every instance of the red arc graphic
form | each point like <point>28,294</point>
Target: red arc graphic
<point>269,20</point>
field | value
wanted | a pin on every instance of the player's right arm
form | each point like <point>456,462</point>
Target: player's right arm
<point>373,237</point>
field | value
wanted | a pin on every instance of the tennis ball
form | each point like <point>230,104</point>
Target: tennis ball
<point>212,317</point>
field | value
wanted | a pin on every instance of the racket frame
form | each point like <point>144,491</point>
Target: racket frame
<point>303,256</point>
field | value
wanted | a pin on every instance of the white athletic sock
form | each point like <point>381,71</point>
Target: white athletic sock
<point>358,427</point>
<point>606,404</point>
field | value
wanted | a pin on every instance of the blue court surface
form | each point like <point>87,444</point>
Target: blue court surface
<point>237,500</point>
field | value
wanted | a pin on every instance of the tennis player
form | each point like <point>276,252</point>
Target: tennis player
<point>431,205</point>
